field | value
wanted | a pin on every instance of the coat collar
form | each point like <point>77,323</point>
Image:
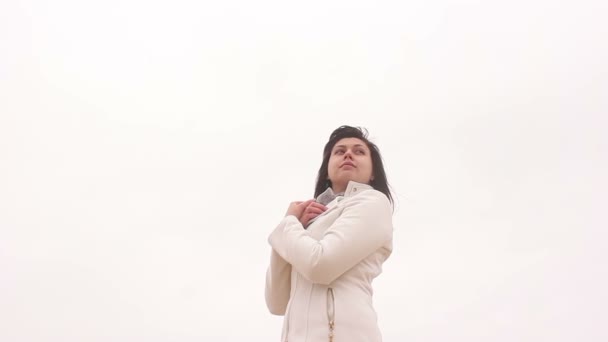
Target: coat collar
<point>352,189</point>
<point>329,199</point>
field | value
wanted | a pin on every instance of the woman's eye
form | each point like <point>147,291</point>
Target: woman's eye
<point>339,152</point>
<point>361,152</point>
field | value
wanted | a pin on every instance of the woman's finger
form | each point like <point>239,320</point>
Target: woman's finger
<point>306,219</point>
<point>315,211</point>
<point>317,205</point>
<point>306,203</point>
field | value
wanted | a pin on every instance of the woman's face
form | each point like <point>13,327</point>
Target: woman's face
<point>350,160</point>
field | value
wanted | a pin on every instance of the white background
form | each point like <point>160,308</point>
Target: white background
<point>148,148</point>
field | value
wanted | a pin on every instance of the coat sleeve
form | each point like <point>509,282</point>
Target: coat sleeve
<point>278,284</point>
<point>363,227</point>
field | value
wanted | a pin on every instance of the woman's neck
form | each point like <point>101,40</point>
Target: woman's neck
<point>338,188</point>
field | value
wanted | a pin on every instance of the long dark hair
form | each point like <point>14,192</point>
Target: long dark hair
<point>379,182</point>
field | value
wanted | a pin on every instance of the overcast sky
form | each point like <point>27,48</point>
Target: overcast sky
<point>148,148</point>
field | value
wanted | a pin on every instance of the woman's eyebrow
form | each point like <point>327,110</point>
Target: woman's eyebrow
<point>355,145</point>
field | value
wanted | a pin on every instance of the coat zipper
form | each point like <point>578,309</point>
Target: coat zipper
<point>331,312</point>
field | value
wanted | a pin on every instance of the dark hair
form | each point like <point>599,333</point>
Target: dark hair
<point>379,182</point>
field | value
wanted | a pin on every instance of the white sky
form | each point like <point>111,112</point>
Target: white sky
<point>148,148</point>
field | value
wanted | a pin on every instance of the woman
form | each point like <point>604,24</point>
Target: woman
<point>327,251</point>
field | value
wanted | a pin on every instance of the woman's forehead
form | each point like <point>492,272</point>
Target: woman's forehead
<point>350,142</point>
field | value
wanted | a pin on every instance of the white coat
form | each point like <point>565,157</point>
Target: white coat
<point>321,277</point>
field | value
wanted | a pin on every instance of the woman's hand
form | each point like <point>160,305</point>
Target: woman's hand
<point>313,210</point>
<point>305,211</point>
<point>297,208</point>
